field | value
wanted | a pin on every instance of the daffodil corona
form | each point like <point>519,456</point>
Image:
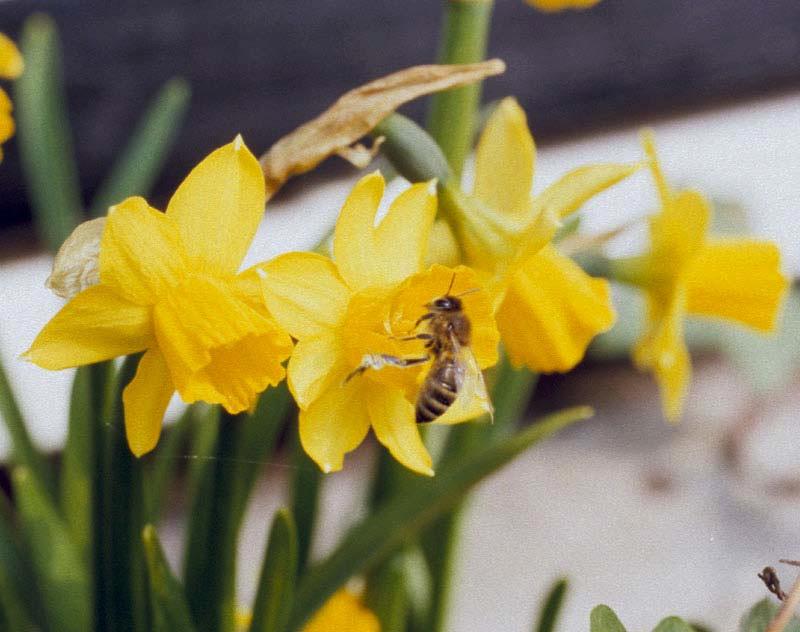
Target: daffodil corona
<point>361,305</point>
<point>168,286</point>
<point>343,611</point>
<point>548,308</point>
<point>686,272</point>
<point>11,66</point>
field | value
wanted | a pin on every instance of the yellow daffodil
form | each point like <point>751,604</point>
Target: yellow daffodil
<point>687,272</point>
<point>343,611</point>
<point>168,285</point>
<point>548,308</point>
<point>356,307</point>
<point>551,6</point>
<point>11,66</point>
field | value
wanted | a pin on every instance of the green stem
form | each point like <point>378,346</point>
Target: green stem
<point>305,489</point>
<point>453,113</point>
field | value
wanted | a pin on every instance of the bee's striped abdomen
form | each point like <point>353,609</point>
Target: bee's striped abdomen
<point>438,391</point>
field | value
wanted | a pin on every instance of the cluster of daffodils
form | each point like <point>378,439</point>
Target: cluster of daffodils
<point>11,66</point>
<point>353,326</point>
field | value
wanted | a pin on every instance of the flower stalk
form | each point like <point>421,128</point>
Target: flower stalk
<point>451,120</point>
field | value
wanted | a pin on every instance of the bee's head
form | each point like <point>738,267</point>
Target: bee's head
<point>445,304</point>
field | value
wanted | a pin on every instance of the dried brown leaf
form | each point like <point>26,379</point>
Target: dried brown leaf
<point>357,112</point>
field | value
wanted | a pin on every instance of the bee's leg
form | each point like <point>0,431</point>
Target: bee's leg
<point>379,360</point>
<point>423,318</point>
<point>414,337</point>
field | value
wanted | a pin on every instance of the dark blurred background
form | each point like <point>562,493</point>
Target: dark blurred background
<point>262,68</point>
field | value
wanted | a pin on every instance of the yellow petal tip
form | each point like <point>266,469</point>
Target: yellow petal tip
<point>238,142</point>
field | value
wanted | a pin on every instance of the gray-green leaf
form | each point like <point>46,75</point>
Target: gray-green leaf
<point>603,619</point>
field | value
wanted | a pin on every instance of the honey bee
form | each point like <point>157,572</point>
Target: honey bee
<point>454,377</point>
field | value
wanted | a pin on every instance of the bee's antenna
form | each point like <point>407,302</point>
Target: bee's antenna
<point>472,290</point>
<point>450,287</point>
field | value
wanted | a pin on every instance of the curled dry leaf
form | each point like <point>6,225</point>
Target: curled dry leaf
<point>357,112</point>
<point>76,264</point>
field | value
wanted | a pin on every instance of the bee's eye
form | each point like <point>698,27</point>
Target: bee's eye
<point>442,303</point>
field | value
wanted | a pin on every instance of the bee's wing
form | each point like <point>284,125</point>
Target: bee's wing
<point>473,399</point>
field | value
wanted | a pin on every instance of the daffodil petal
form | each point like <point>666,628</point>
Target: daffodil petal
<point>219,346</point>
<point>343,611</point>
<point>739,280</point>
<point>567,194</point>
<point>95,325</point>
<point>141,254</point>
<point>304,293</point>
<point>662,186</point>
<point>392,417</point>
<point>11,63</point>
<point>368,256</point>
<point>551,312</point>
<point>663,351</point>
<point>334,424</point>
<point>679,231</point>
<point>316,363</point>
<point>442,245</point>
<point>145,400</point>
<point>504,161</point>
<point>219,206</point>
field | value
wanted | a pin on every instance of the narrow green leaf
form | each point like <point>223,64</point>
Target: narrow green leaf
<point>140,162</point>
<point>78,470</point>
<point>60,572</point>
<point>167,598</point>
<point>387,595</point>
<point>673,624</point>
<point>418,588</point>
<point>121,584</point>
<point>276,586</point>
<point>603,619</point>
<point>305,488</point>
<point>210,562</point>
<point>18,598</point>
<point>401,519</point>
<point>160,472</point>
<point>256,438</point>
<point>23,450</point>
<point>43,134</point>
<point>552,607</point>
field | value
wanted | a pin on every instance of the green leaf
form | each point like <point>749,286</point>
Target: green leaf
<point>43,134</point>
<point>387,595</point>
<point>761,615</point>
<point>210,560</point>
<point>60,572</point>
<point>161,470</point>
<point>305,488</point>
<point>673,624</point>
<point>140,162</point>
<point>167,598</point>
<point>603,619</point>
<point>276,587</point>
<point>17,592</point>
<point>79,461</point>
<point>121,574</point>
<point>23,450</point>
<point>552,607</point>
<point>255,442</point>
<point>401,519</point>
